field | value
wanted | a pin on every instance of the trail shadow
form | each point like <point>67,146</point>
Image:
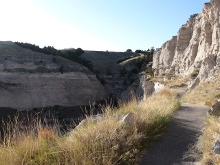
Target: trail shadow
<point>175,141</point>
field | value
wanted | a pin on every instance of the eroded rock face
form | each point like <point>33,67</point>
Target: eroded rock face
<point>31,80</point>
<point>195,47</point>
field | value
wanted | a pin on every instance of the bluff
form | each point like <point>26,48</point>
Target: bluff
<point>195,49</point>
<point>30,79</point>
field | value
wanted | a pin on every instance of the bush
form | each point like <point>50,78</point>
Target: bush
<point>138,51</point>
<point>128,50</point>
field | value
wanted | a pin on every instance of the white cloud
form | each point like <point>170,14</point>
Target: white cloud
<point>25,22</point>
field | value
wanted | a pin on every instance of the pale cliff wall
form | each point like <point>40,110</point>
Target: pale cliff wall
<point>195,48</point>
<point>31,80</point>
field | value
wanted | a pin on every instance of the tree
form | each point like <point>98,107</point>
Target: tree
<point>138,51</point>
<point>79,51</point>
<point>128,50</point>
<point>152,50</point>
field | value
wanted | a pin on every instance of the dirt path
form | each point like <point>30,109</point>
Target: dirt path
<point>183,132</point>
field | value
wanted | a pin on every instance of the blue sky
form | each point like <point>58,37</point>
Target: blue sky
<point>113,25</point>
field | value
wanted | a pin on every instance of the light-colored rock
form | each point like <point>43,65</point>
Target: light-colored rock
<point>216,147</point>
<point>127,120</point>
<point>94,118</point>
<point>149,89</point>
<point>215,109</point>
<point>194,83</point>
<point>196,47</point>
<point>32,80</point>
<point>141,88</point>
<point>158,87</point>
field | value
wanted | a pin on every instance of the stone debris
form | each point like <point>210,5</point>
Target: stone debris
<point>216,147</point>
<point>127,120</point>
<point>215,109</point>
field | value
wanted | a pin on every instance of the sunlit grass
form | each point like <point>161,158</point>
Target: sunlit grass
<point>107,141</point>
<point>203,148</point>
<point>206,93</point>
<point>174,82</point>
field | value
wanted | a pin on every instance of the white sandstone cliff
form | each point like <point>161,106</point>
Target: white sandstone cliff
<point>195,48</point>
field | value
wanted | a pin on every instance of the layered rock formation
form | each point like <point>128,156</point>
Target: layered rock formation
<point>31,80</point>
<point>195,50</point>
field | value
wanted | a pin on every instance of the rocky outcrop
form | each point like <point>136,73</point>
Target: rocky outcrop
<point>119,73</point>
<point>31,80</point>
<point>215,109</point>
<point>141,88</point>
<point>195,48</point>
<point>108,69</point>
<point>216,147</point>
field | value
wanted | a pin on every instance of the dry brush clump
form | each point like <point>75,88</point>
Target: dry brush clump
<point>107,141</point>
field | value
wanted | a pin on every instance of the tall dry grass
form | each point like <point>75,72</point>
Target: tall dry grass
<point>202,150</point>
<point>175,82</point>
<point>107,141</point>
<point>206,93</point>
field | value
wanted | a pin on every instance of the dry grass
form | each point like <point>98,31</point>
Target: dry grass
<point>211,133</point>
<point>167,91</point>
<point>206,93</point>
<point>157,79</point>
<point>94,143</point>
<point>177,82</point>
<point>173,83</point>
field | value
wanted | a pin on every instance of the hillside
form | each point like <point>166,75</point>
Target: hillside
<point>119,72</point>
<point>33,80</point>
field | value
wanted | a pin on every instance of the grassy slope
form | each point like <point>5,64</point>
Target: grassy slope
<point>205,93</point>
<point>95,143</point>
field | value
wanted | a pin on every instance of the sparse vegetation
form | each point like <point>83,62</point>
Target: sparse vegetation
<point>95,143</point>
<point>73,55</point>
<point>148,56</point>
<point>173,82</point>
<point>206,93</point>
<point>127,58</point>
<point>202,150</point>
